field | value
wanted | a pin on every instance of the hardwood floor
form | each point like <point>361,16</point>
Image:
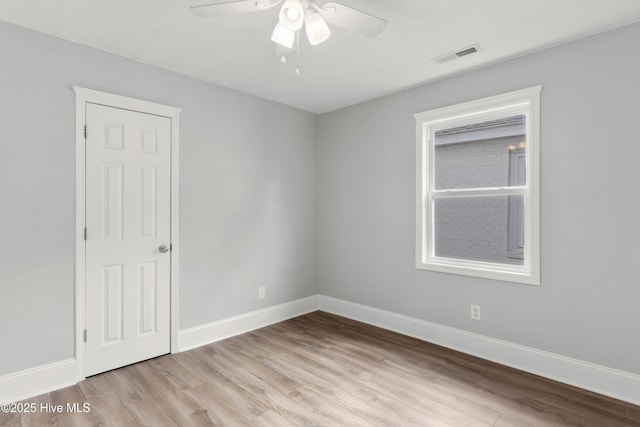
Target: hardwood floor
<point>324,370</point>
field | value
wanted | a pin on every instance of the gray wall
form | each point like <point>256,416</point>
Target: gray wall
<point>587,305</point>
<point>248,214</point>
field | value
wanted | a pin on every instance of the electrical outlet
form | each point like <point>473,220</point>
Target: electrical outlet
<point>475,312</point>
<point>262,292</point>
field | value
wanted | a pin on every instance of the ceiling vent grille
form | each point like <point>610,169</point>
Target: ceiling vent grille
<point>469,50</point>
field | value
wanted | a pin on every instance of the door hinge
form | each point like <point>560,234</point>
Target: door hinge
<point>85,335</point>
<point>85,234</point>
<point>85,131</point>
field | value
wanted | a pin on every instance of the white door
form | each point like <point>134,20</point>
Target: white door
<point>128,217</point>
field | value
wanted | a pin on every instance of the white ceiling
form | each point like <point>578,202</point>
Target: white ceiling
<point>236,51</point>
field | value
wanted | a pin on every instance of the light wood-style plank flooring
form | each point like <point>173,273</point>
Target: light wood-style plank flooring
<point>324,370</point>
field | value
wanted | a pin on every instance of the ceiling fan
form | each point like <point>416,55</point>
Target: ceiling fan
<point>296,14</point>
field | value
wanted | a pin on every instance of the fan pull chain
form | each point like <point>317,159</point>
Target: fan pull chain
<point>298,52</point>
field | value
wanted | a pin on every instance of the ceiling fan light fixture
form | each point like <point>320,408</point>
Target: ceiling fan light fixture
<point>283,36</point>
<point>316,28</point>
<point>292,15</point>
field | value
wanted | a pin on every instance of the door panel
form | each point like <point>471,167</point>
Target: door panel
<point>148,286</point>
<point>128,218</point>
<point>112,303</point>
<point>113,200</point>
<point>148,208</point>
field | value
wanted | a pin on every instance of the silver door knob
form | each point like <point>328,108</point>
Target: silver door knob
<point>163,249</point>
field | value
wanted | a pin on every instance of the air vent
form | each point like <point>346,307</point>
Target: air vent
<point>467,51</point>
<point>457,54</point>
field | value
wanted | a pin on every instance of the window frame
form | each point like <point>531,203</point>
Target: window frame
<point>524,101</point>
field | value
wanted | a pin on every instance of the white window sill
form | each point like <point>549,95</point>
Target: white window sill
<point>506,273</point>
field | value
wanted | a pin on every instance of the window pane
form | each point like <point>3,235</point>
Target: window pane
<point>486,154</point>
<point>487,229</point>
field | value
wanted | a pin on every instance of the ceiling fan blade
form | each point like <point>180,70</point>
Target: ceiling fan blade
<point>284,51</point>
<point>352,19</point>
<point>226,7</point>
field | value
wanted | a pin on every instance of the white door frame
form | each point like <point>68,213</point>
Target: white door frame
<point>84,96</point>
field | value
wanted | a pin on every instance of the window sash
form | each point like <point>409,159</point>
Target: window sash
<point>429,230</point>
<point>480,192</point>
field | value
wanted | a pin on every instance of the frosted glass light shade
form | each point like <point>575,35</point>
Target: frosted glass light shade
<point>292,15</point>
<point>316,27</point>
<point>283,36</point>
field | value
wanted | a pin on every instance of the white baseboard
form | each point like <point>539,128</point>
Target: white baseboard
<point>600,379</point>
<point>34,381</point>
<point>236,325</point>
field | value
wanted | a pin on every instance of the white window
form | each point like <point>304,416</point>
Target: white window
<point>477,188</point>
